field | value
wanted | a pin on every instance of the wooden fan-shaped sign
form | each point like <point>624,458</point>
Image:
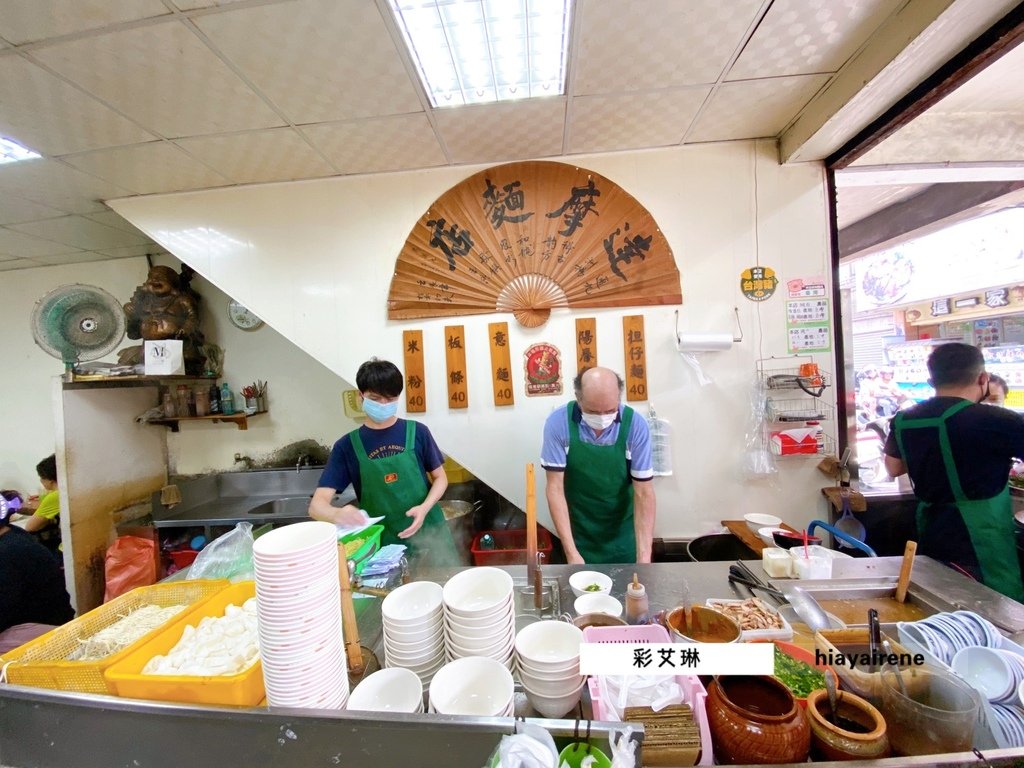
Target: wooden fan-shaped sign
<point>527,238</point>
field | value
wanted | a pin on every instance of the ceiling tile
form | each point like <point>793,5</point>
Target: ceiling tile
<point>939,138</point>
<point>133,251</point>
<point>52,117</point>
<point>71,258</point>
<point>279,154</point>
<point>24,21</point>
<point>329,59</point>
<point>57,185</point>
<point>633,120</point>
<point>26,246</point>
<point>12,264</point>
<point>800,37</point>
<point>79,232</point>
<point>493,132</point>
<point>164,77</point>
<point>148,168</point>
<point>117,221</point>
<point>754,108</point>
<point>379,144</point>
<point>191,5</point>
<point>14,209</point>
<point>636,45</point>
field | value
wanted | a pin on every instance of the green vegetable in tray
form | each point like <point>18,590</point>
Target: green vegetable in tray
<point>799,677</point>
<point>592,588</point>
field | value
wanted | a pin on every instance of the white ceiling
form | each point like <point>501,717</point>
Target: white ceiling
<point>132,97</point>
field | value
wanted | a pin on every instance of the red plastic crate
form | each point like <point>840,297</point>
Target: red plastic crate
<point>509,547</point>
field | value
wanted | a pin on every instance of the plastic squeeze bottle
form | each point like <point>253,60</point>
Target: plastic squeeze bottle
<point>637,607</point>
<point>227,406</point>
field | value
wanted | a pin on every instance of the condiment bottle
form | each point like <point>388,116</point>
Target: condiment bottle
<point>637,606</point>
<point>182,402</point>
<point>214,398</point>
<point>168,406</point>
<point>227,406</point>
<point>202,396</point>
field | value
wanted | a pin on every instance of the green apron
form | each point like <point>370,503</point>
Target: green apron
<point>599,493</point>
<point>989,521</point>
<point>391,485</point>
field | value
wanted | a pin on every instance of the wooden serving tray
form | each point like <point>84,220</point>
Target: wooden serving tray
<point>740,530</point>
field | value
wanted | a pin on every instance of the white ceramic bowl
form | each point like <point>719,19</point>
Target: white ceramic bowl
<point>551,686</point>
<point>580,580</point>
<point>498,648</point>
<point>388,690</point>
<point>986,671</point>
<point>477,592</point>
<point>412,604</point>
<point>757,520</point>
<point>291,542</point>
<point>605,604</point>
<point>499,627</point>
<point>549,644</point>
<point>554,706</point>
<point>497,615</point>
<point>766,534</point>
<point>472,686</point>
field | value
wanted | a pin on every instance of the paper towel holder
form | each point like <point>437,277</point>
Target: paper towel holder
<point>736,337</point>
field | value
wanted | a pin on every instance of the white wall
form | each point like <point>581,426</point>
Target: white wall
<point>304,396</point>
<point>316,258</point>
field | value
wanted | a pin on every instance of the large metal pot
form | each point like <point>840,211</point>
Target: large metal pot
<point>718,547</point>
<point>460,523</point>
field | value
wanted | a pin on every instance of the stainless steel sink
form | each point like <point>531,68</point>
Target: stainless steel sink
<point>290,506</point>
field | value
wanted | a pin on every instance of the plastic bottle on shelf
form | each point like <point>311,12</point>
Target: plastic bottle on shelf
<point>227,406</point>
<point>168,406</point>
<point>637,605</point>
<point>214,398</point>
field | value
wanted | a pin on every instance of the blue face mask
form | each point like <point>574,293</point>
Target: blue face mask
<point>379,412</point>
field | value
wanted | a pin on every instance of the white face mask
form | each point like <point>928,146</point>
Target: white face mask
<point>599,421</point>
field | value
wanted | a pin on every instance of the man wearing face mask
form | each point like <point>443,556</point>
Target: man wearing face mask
<point>958,454</point>
<point>597,457</point>
<point>388,461</point>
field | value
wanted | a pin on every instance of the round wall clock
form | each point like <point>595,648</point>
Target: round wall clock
<point>242,317</point>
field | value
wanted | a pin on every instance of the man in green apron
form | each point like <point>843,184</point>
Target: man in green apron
<point>387,461</point>
<point>597,457</point>
<point>958,454</point>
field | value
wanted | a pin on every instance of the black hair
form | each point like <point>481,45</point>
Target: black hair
<point>380,377</point>
<point>955,364</point>
<point>998,381</point>
<point>577,382</point>
<point>47,468</point>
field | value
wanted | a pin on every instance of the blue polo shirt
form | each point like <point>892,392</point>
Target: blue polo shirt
<point>555,449</point>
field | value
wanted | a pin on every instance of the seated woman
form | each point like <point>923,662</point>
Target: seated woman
<point>44,522</point>
<point>33,599</point>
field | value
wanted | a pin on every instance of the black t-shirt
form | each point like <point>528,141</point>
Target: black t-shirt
<point>31,584</point>
<point>984,439</point>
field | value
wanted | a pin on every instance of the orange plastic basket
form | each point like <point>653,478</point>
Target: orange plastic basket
<point>42,662</point>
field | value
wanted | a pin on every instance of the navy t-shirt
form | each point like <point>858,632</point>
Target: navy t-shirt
<point>31,584</point>
<point>983,438</point>
<point>343,466</point>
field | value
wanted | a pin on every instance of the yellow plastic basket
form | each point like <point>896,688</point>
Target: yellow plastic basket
<point>244,689</point>
<point>42,662</point>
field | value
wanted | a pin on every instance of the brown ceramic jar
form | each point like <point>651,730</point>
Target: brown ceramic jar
<point>831,742</point>
<point>756,720</point>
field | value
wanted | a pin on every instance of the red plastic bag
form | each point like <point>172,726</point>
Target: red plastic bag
<point>130,563</point>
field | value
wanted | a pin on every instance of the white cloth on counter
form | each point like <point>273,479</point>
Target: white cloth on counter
<point>530,747</point>
<point>345,530</point>
<point>387,559</point>
<point>621,691</point>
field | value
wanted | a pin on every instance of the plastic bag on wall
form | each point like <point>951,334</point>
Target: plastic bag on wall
<point>661,443</point>
<point>227,557</point>
<point>758,463</point>
<point>130,563</point>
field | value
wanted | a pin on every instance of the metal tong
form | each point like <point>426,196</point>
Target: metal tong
<point>740,574</point>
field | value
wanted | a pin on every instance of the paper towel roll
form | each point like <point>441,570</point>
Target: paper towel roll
<point>704,342</point>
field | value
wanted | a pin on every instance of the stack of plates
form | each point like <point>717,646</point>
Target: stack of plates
<point>298,603</point>
<point>413,638</point>
<point>479,615</point>
<point>388,690</point>
<point>548,655</point>
<point>474,685</point>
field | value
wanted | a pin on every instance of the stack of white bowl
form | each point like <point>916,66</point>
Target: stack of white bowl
<point>298,604</point>
<point>479,615</point>
<point>548,657</point>
<point>388,690</point>
<point>413,636</point>
<point>474,685</point>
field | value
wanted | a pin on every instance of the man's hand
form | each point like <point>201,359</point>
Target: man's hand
<point>575,559</point>
<point>418,515</point>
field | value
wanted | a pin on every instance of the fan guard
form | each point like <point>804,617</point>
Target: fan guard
<point>78,322</point>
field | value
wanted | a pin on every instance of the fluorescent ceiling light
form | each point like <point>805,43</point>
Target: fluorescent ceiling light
<point>12,152</point>
<point>478,51</point>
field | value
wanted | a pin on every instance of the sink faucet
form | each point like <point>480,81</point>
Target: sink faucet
<point>302,460</point>
<point>240,459</point>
